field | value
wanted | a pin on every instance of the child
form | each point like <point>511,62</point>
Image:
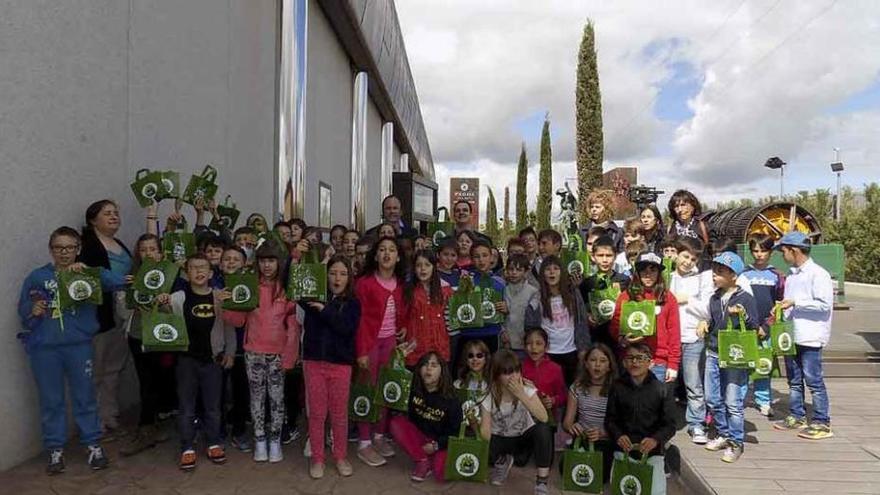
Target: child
<point>426,296</point>
<point>547,377</point>
<point>632,252</point>
<point>632,232</point>
<point>465,240</point>
<point>592,235</point>
<point>481,252</point>
<point>328,352</point>
<point>337,237</point>
<point>768,286</point>
<point>692,290</point>
<point>386,230</point>
<point>665,344</point>
<point>271,345</point>
<point>59,344</point>
<point>588,399</point>
<point>349,243</point>
<point>361,250</point>
<point>668,247</point>
<point>233,261</point>
<point>447,262</point>
<point>434,415</point>
<point>685,211</point>
<point>515,246</point>
<point>599,208</point>
<point>212,247</point>
<point>640,415</point>
<point>809,305</point>
<point>473,369</point>
<point>559,309</point>
<point>383,313</point>
<point>517,294</point>
<point>258,223</point>
<point>726,388</point>
<point>200,369</point>
<point>529,239</point>
<point>549,243</point>
<point>246,239</point>
<point>514,421</point>
<point>603,259</point>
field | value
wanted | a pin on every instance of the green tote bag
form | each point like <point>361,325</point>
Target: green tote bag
<point>178,246</point>
<point>638,318</point>
<point>75,288</point>
<point>442,228</point>
<point>170,180</point>
<point>632,477</point>
<point>362,406</point>
<point>467,459</point>
<point>307,280</point>
<point>603,299</point>
<point>766,365</point>
<point>782,335</point>
<point>575,260</point>
<point>394,383</point>
<point>147,187</point>
<point>154,278</point>
<point>163,332</point>
<point>465,307</point>
<point>737,348</point>
<point>582,469</point>
<point>228,214</point>
<point>489,297</point>
<point>201,187</point>
<point>245,291</point>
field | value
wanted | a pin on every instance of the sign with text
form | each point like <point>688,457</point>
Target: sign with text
<point>466,189</point>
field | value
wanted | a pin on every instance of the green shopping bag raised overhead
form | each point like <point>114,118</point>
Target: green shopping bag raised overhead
<point>245,291</point>
<point>489,297</point>
<point>163,332</point>
<point>227,215</point>
<point>362,406</point>
<point>638,318</point>
<point>782,335</point>
<point>147,187</point>
<point>155,278</point>
<point>75,288</point>
<point>441,229</point>
<point>632,477</point>
<point>737,348</point>
<point>170,180</point>
<point>766,365</point>
<point>394,383</point>
<point>603,299</point>
<point>575,260</point>
<point>582,470</point>
<point>201,187</point>
<point>178,246</point>
<point>307,280</point>
<point>467,459</point>
<point>465,307</point>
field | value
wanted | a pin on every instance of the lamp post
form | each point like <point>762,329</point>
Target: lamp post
<point>774,163</point>
<point>837,168</point>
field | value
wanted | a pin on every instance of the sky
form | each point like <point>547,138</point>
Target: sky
<point>696,94</point>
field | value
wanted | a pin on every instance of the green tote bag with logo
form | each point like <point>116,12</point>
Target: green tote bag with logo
<point>737,348</point>
<point>582,469</point>
<point>163,332</point>
<point>307,280</point>
<point>170,180</point>
<point>467,459</point>
<point>575,260</point>
<point>632,477</point>
<point>228,214</point>
<point>394,383</point>
<point>603,299</point>
<point>75,288</point>
<point>362,405</point>
<point>147,187</point>
<point>782,335</point>
<point>766,365</point>
<point>638,318</point>
<point>442,228</point>
<point>201,187</point>
<point>178,246</point>
<point>154,278</point>
<point>245,291</point>
<point>465,307</point>
<point>489,297</point>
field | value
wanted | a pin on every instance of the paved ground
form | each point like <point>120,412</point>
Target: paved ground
<point>858,328</point>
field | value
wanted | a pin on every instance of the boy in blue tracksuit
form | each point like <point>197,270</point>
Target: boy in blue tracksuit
<point>768,286</point>
<point>59,344</point>
<point>726,388</point>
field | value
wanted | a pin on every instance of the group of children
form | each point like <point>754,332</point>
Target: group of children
<point>553,362</point>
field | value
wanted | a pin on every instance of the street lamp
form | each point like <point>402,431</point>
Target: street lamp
<point>837,168</point>
<point>773,164</point>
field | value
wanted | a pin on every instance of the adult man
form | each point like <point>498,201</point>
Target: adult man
<point>808,304</point>
<point>391,214</point>
<point>461,215</point>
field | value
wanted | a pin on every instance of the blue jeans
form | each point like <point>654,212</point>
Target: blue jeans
<point>659,371</point>
<point>806,367</point>
<point>725,393</point>
<point>691,369</point>
<point>52,365</point>
<point>195,377</point>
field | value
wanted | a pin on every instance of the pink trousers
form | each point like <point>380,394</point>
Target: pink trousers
<point>327,388</point>
<point>379,357</point>
<point>411,440</point>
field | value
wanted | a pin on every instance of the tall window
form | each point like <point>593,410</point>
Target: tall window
<point>291,166</point>
<point>387,157</point>
<point>359,152</point>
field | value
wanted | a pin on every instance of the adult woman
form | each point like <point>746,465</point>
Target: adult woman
<point>601,214</point>
<point>685,211</point>
<point>652,225</point>
<point>101,248</point>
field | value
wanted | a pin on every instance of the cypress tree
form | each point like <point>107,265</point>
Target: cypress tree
<point>522,176</point>
<point>545,179</point>
<point>491,217</point>
<point>505,227</point>
<point>590,142</point>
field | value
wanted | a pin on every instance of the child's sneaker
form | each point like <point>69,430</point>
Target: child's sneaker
<point>56,462</point>
<point>816,431</point>
<point>275,454</point>
<point>542,486</point>
<point>765,410</point>
<point>187,460</point>
<point>500,470</point>
<point>216,454</point>
<point>732,453</point>
<point>790,423</point>
<point>316,470</point>
<point>242,443</point>
<point>97,459</point>
<point>421,471</point>
<point>698,436</point>
<point>370,457</point>
<point>383,446</point>
<point>716,444</point>
<point>261,451</point>
<point>344,467</point>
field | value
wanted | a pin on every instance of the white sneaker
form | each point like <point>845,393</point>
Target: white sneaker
<point>698,436</point>
<point>261,451</point>
<point>275,454</point>
<point>766,410</point>
<point>716,444</point>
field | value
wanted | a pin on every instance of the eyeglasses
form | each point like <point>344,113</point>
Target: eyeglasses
<point>65,249</point>
<point>477,355</point>
<point>637,359</point>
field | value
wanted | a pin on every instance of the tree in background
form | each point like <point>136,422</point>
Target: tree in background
<point>588,102</point>
<point>506,225</point>
<point>522,176</point>
<point>491,217</point>
<point>545,179</point>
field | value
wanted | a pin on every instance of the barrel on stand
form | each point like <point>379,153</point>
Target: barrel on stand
<point>774,219</point>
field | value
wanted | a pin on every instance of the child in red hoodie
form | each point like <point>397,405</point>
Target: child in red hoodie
<point>547,376</point>
<point>665,344</point>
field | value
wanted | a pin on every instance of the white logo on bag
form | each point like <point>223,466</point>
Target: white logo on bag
<point>637,321</point>
<point>169,185</point>
<point>582,475</point>
<point>606,307</point>
<point>241,294</point>
<point>438,236</point>
<point>391,392</point>
<point>309,284</point>
<point>630,485</point>
<point>765,366</point>
<point>784,342</point>
<point>488,310</point>
<point>466,313</point>
<point>226,221</point>
<point>165,333</point>
<point>149,190</point>
<point>736,352</point>
<point>79,290</point>
<point>467,464</point>
<point>576,267</point>
<point>154,279</point>
<point>362,406</point>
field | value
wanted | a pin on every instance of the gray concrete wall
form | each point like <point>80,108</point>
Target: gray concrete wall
<point>373,207</point>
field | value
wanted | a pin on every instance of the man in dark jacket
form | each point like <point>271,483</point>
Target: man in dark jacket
<point>391,213</point>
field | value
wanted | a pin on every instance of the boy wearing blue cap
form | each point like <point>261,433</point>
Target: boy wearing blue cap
<point>726,388</point>
<point>808,303</point>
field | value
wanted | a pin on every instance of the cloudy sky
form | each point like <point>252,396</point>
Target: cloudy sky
<point>696,94</point>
